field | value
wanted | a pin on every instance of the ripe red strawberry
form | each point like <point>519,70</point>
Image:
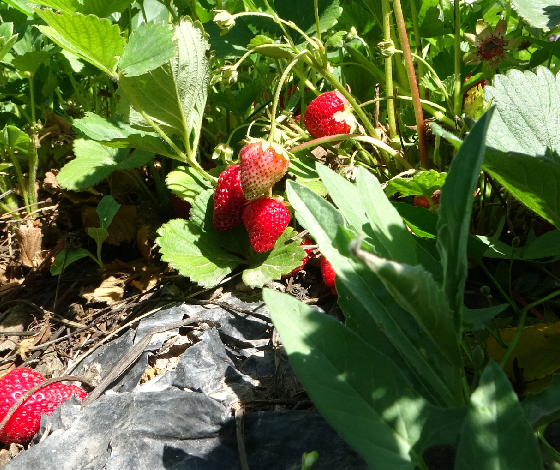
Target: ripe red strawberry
<point>328,274</point>
<point>24,423</point>
<point>265,220</point>
<point>229,201</point>
<point>329,114</point>
<point>262,164</point>
<point>182,207</point>
<point>306,241</point>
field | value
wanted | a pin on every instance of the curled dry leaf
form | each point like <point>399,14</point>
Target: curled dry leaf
<point>29,238</point>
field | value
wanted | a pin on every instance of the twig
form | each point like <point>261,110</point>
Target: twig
<point>131,356</point>
<point>240,432</point>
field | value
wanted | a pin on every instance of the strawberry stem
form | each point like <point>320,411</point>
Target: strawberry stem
<point>276,99</point>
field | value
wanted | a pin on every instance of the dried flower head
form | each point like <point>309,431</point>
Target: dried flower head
<point>491,46</point>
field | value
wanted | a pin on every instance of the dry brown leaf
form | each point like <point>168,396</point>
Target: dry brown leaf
<point>110,291</point>
<point>24,347</point>
<point>122,228</point>
<point>49,182</point>
<point>29,238</point>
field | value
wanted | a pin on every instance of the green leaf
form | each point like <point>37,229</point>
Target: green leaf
<point>455,214</point>
<point>98,234</point>
<point>544,246</point>
<point>95,161</point>
<point>21,5</point>
<point>543,14</point>
<point>7,38</point>
<point>107,209</point>
<point>420,220</point>
<point>186,248</point>
<point>416,291</point>
<point>496,433</point>
<point>543,407</point>
<point>69,6</point>
<point>74,254</point>
<point>148,48</point>
<point>530,180</point>
<point>345,377</point>
<point>93,39</point>
<point>117,134</point>
<point>326,226</point>
<point>104,8</point>
<point>525,120</point>
<point>345,195</point>
<point>30,61</point>
<point>231,45</point>
<point>15,140</point>
<point>385,221</point>
<point>418,183</point>
<point>303,14</point>
<point>186,183</point>
<point>475,319</point>
<point>174,95</point>
<point>282,259</point>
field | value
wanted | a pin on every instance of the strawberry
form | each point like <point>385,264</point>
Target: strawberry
<point>262,164</point>
<point>328,274</point>
<point>329,114</point>
<point>182,207</point>
<point>24,423</point>
<point>306,241</point>
<point>229,201</point>
<point>422,201</point>
<point>265,220</point>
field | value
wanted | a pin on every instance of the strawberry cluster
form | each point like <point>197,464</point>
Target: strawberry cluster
<point>240,194</point>
<point>24,423</point>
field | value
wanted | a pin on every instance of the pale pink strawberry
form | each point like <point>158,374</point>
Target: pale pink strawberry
<point>229,201</point>
<point>329,114</point>
<point>24,423</point>
<point>262,165</point>
<point>265,220</point>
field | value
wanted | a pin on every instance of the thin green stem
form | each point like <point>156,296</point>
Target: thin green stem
<point>182,155</point>
<point>283,78</point>
<point>317,23</point>
<point>457,101</point>
<point>517,336</point>
<point>32,96</point>
<point>358,137</point>
<point>418,114</point>
<point>510,301</point>
<point>386,7</point>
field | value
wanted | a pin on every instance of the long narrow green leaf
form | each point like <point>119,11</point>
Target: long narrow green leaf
<point>385,221</point>
<point>455,214</point>
<point>356,388</point>
<point>496,434</point>
<point>418,293</point>
<point>326,224</point>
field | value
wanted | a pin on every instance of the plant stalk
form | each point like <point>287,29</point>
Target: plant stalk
<point>420,125</point>
<point>457,101</point>
<point>386,7</point>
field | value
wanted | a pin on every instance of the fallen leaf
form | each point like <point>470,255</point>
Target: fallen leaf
<point>110,291</point>
<point>537,353</point>
<point>16,321</point>
<point>29,238</point>
<point>24,347</point>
